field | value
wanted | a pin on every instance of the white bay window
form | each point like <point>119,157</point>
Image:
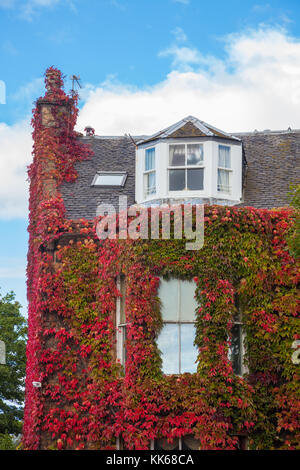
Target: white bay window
<point>186,172</point>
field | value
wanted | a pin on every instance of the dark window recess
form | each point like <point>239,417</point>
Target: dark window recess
<point>181,443</point>
<point>236,348</point>
<point>242,443</point>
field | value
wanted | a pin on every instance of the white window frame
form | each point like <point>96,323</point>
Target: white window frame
<point>149,192</point>
<point>225,190</point>
<point>185,167</point>
<point>120,326</point>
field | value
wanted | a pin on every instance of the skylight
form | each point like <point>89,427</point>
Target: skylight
<point>109,178</point>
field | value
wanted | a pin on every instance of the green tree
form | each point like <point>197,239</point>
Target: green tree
<point>13,331</point>
<point>294,234</point>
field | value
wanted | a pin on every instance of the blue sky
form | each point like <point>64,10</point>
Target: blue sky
<point>144,64</point>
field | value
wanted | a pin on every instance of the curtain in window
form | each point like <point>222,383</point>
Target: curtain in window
<point>177,155</point>
<point>224,157</point>
<point>150,159</point>
<point>151,183</point>
<point>194,154</point>
<point>223,181</point>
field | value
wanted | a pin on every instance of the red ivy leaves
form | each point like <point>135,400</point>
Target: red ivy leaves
<point>85,401</point>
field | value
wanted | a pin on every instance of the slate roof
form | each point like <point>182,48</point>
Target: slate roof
<point>110,154</point>
<point>189,127</point>
<point>272,165</point>
<point>273,159</point>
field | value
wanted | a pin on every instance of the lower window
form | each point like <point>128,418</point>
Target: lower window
<point>121,325</point>
<point>236,350</point>
<point>179,443</point>
<point>176,339</point>
<point>186,179</point>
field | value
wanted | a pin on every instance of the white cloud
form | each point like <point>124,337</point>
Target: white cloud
<point>27,9</point>
<point>179,34</point>
<point>256,86</point>
<point>15,155</point>
<point>182,57</point>
<point>28,3</point>
<point>29,92</point>
<point>7,3</point>
<point>184,2</point>
<point>13,272</point>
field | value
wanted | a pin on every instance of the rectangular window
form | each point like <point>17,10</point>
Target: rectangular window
<point>121,321</point>
<point>149,173</point>
<point>242,443</point>
<point>179,443</point>
<point>184,171</point>
<point>224,169</point>
<point>236,347</point>
<point>106,178</point>
<point>176,339</point>
<point>236,351</point>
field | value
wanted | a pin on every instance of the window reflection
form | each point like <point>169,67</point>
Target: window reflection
<point>168,344</point>
<point>176,339</point>
<point>188,350</point>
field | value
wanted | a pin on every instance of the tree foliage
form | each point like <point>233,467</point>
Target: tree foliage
<point>13,331</point>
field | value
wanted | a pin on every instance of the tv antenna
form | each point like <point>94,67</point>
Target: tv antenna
<point>75,82</point>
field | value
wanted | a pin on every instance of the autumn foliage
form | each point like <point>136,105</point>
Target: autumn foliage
<point>87,400</point>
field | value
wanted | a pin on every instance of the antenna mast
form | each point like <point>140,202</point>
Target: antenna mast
<point>75,82</point>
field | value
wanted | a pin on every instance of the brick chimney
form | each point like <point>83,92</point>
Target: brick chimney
<point>54,107</point>
<point>53,111</point>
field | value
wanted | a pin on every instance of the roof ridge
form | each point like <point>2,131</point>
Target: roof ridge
<point>205,128</point>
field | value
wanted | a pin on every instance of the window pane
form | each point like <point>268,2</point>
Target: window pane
<point>109,179</point>
<point>224,157</point>
<point>223,181</point>
<point>150,159</point>
<point>176,180</point>
<point>151,185</point>
<point>177,155</point>
<point>168,344</point>
<point>122,300</point>
<point>169,297</point>
<point>194,154</point>
<point>124,350</point>
<point>190,443</point>
<point>188,350</point>
<point>195,178</point>
<point>188,303</point>
<point>163,444</point>
<point>236,349</point>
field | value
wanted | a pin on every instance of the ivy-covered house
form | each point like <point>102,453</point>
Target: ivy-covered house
<point>138,342</point>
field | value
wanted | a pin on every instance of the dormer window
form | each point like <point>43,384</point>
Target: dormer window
<point>149,173</point>
<point>224,169</point>
<point>189,172</point>
<point>189,162</point>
